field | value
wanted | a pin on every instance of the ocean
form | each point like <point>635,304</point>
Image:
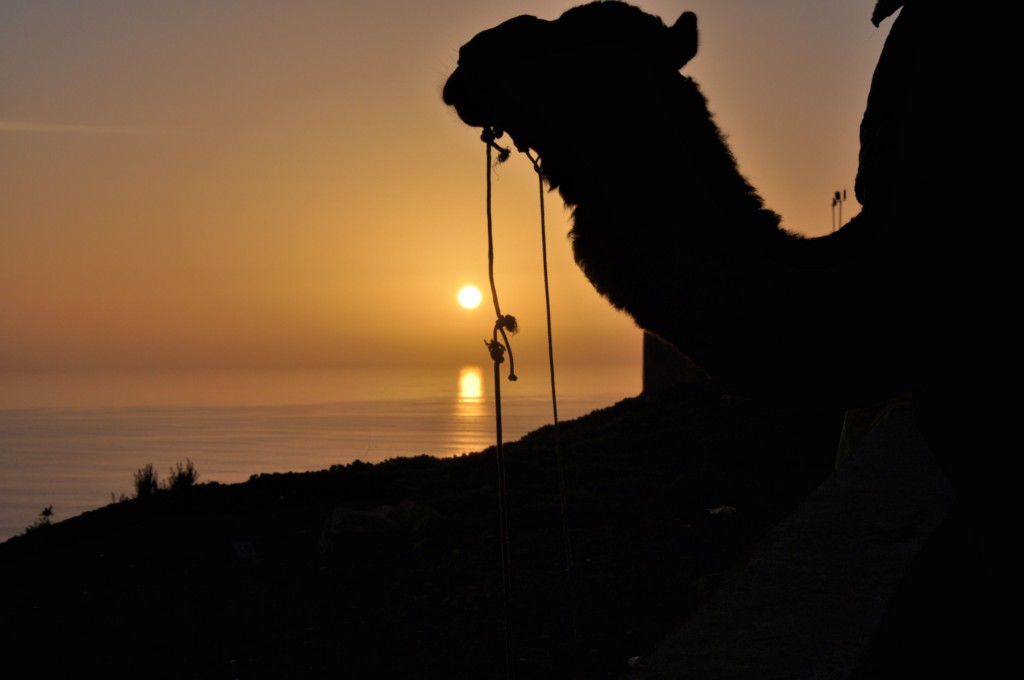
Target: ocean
<point>73,441</point>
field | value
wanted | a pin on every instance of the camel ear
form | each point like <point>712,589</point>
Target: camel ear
<point>684,38</point>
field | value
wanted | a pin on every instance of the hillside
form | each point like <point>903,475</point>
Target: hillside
<point>393,569</point>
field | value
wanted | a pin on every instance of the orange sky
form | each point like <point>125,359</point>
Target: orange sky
<point>277,184</point>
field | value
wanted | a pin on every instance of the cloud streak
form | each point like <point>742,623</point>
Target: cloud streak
<point>73,128</point>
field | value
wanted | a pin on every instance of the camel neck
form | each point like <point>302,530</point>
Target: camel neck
<point>662,218</point>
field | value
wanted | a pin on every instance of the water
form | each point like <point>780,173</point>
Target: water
<point>74,440</point>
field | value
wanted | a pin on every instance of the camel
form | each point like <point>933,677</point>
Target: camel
<point>668,230</point>
<point>905,299</point>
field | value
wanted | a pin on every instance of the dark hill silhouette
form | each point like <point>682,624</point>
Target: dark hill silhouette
<point>392,570</point>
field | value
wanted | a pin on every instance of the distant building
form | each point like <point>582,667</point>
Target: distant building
<point>664,365</point>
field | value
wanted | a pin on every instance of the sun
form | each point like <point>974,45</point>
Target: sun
<point>470,297</point>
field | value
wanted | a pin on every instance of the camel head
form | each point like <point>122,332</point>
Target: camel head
<point>527,76</point>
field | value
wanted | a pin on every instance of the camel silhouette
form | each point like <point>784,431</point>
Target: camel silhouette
<point>666,227</point>
<point>908,297</point>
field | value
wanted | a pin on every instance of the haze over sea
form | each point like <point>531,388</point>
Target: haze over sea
<point>72,440</point>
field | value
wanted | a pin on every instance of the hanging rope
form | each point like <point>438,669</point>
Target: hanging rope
<point>503,325</point>
<point>559,462</point>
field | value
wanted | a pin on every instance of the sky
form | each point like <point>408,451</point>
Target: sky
<point>270,184</point>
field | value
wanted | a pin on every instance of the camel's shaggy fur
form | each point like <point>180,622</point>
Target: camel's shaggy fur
<point>667,229</point>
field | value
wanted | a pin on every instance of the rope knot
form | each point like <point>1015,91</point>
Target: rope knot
<point>505,324</point>
<point>488,136</point>
<point>508,323</point>
<point>497,350</point>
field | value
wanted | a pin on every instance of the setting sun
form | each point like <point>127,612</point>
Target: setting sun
<point>470,297</point>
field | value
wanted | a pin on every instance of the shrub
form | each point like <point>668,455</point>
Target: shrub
<point>145,482</point>
<point>42,521</point>
<point>182,476</point>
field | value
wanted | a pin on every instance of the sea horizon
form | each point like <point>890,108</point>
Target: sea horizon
<point>73,440</point>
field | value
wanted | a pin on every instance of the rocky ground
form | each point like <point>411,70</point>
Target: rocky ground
<point>393,570</point>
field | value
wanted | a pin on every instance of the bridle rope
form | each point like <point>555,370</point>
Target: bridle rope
<point>497,351</point>
<point>503,325</point>
<point>559,463</point>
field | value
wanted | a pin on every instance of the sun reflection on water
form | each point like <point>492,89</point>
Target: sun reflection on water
<point>471,392</point>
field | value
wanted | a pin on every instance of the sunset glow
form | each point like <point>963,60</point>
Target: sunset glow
<point>222,185</point>
<point>239,204</point>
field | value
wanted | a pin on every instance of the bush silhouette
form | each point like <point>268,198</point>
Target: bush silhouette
<point>42,521</point>
<point>146,482</point>
<point>182,476</point>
